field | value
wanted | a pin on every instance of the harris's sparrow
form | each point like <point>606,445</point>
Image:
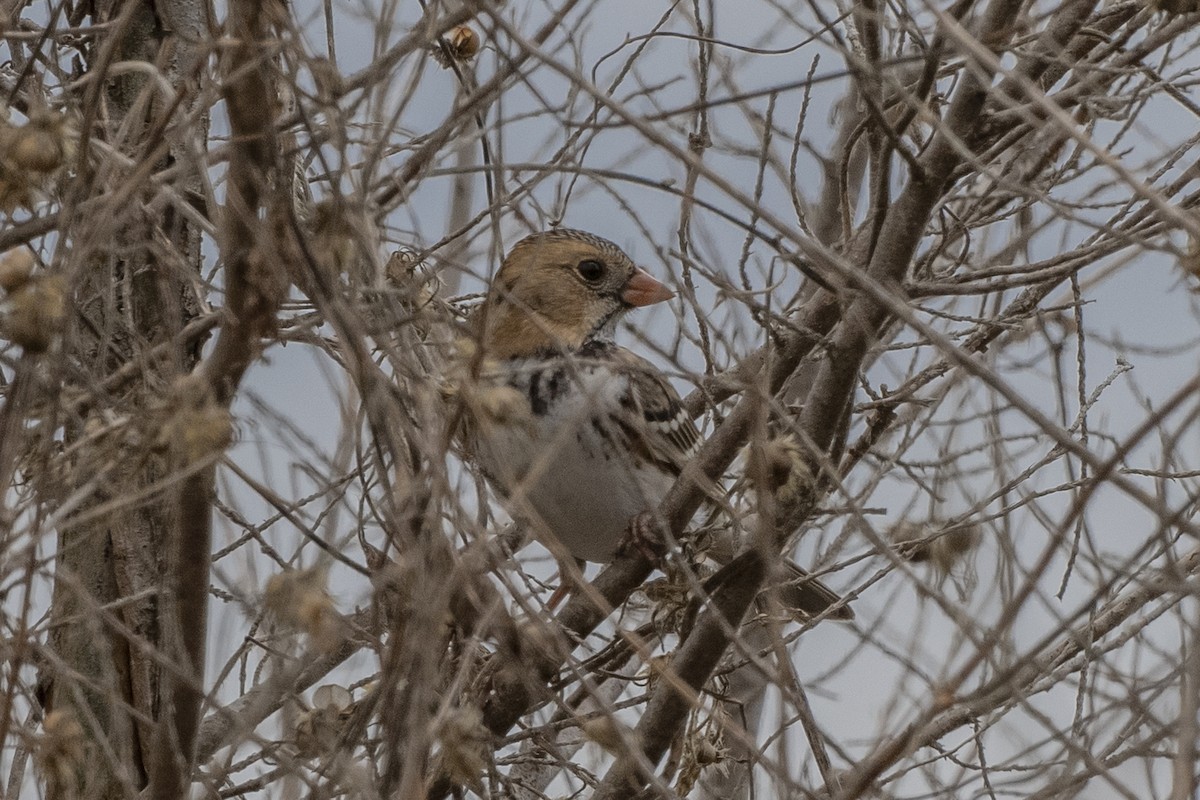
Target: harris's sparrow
<point>580,435</point>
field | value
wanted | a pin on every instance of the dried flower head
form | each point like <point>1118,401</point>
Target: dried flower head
<point>334,236</point>
<point>929,544</point>
<point>701,748</point>
<point>34,148</point>
<point>488,402</point>
<point>31,154</point>
<point>784,470</point>
<point>61,753</point>
<point>460,44</point>
<point>402,266</point>
<point>35,313</point>
<point>319,729</point>
<point>538,643</point>
<point>332,696</point>
<point>16,266</point>
<point>299,599</point>
<point>15,191</point>
<point>780,457</point>
<point>466,745</point>
<point>393,582</point>
<point>47,142</point>
<point>671,597</point>
<point>195,426</point>
<point>499,405</point>
<point>416,287</point>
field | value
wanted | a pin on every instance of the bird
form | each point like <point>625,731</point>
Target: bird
<point>581,437</point>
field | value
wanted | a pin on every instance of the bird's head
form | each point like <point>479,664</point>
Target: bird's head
<point>560,289</point>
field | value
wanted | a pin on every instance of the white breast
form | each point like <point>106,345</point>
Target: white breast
<point>568,472</point>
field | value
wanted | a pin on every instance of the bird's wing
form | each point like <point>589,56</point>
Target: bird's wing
<point>658,425</point>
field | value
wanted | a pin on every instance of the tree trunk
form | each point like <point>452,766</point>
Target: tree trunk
<point>134,279</point>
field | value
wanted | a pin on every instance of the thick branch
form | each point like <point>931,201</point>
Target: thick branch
<point>254,288</point>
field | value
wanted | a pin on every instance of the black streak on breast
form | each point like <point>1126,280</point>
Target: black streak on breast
<point>537,403</point>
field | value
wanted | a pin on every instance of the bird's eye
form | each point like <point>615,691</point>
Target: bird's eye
<point>590,270</point>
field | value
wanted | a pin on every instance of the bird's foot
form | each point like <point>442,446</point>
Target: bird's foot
<point>646,536</point>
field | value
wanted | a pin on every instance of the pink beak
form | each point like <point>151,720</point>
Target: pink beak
<point>643,290</point>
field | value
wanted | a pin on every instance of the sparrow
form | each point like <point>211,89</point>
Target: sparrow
<point>580,436</point>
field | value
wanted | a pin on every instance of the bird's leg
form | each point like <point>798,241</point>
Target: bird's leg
<point>643,535</point>
<point>565,581</point>
<point>646,536</point>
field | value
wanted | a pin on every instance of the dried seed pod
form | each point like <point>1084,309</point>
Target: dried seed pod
<point>331,695</point>
<point>195,426</point>
<point>930,544</point>
<point>487,404</point>
<point>499,405</point>
<point>460,44</point>
<point>42,145</point>
<point>61,752</point>
<point>708,752</point>
<point>35,149</point>
<point>35,313</point>
<point>15,268</point>
<point>31,154</point>
<point>405,268</point>
<point>466,746</point>
<point>784,471</point>
<point>298,598</point>
<point>700,749</point>
<point>201,432</point>
<point>538,643</point>
<point>781,456</point>
<point>334,238</point>
<point>464,42</point>
<point>319,730</point>
<point>16,191</point>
